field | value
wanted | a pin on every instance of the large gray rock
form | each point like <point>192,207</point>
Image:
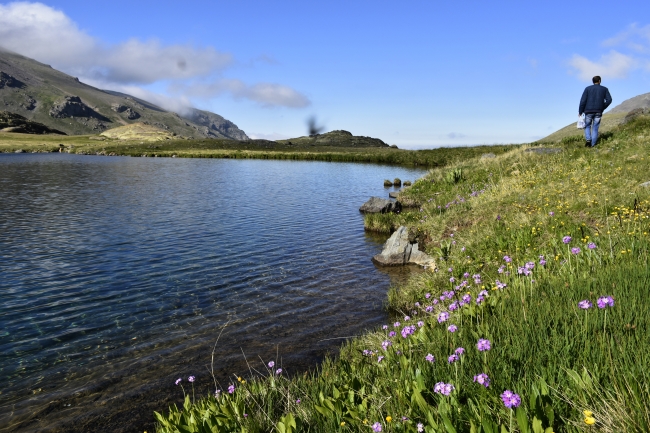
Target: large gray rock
<point>380,205</point>
<point>399,251</point>
<point>73,106</point>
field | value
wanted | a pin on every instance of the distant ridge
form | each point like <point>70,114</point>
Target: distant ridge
<point>641,101</point>
<point>42,94</point>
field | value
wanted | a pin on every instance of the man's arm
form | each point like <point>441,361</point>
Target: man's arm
<point>583,102</point>
<point>608,99</point>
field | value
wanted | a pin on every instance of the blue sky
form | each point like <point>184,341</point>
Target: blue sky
<point>416,74</point>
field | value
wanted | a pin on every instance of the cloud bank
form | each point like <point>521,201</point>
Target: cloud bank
<point>629,51</point>
<point>41,32</point>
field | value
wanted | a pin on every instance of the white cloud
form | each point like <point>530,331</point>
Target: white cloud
<point>266,94</point>
<point>610,65</point>
<point>633,37</point>
<point>46,34</point>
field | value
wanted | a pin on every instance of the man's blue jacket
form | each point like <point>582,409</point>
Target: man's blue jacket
<point>595,99</point>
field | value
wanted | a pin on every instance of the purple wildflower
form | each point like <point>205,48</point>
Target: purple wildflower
<point>530,265</point>
<point>507,259</point>
<point>443,316</point>
<point>420,427</point>
<point>585,304</point>
<point>191,378</point>
<point>551,213</point>
<point>392,333</point>
<point>386,344</point>
<point>452,328</point>
<point>428,295</point>
<point>510,399</point>
<point>566,239</point>
<point>605,301</point>
<point>384,327</point>
<point>501,269</point>
<point>420,324</point>
<point>500,285</point>
<point>430,358</point>
<point>231,389</point>
<point>407,318</point>
<point>179,380</point>
<point>379,358</point>
<point>443,388</point>
<point>482,379</point>
<point>452,358</point>
<point>429,309</point>
<point>483,345</point>
<point>376,427</point>
<point>591,245</point>
<point>435,301</point>
<point>271,364</point>
<point>278,371</point>
<point>397,324</point>
<point>417,304</point>
<point>477,278</point>
<point>407,330</point>
<point>298,401</point>
<point>467,298</point>
<point>575,250</point>
<point>453,306</point>
<point>483,293</point>
<point>459,351</point>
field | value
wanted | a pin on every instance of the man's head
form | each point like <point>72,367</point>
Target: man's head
<point>596,79</point>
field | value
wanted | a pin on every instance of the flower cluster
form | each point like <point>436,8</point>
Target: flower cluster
<point>602,302</point>
<point>483,345</point>
<point>482,379</point>
<point>510,399</point>
<point>443,388</point>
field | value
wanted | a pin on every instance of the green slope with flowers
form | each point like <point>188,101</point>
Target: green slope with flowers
<point>536,319</point>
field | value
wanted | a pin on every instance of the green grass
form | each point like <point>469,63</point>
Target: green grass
<point>216,148</point>
<point>560,359</point>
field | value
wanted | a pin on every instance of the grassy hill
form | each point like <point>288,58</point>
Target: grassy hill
<point>535,319</point>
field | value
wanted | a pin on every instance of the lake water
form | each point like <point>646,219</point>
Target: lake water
<point>117,275</point>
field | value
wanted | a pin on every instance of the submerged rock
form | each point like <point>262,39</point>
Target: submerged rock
<point>399,251</point>
<point>380,205</point>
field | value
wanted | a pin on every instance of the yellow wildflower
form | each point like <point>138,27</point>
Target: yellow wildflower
<point>342,423</point>
<point>587,412</point>
<point>590,420</point>
<point>389,418</point>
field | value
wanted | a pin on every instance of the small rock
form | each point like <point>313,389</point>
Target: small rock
<point>398,251</point>
<point>488,156</point>
<point>388,183</point>
<point>397,182</point>
<point>393,194</point>
<point>380,205</point>
<point>20,151</point>
<point>407,183</point>
<point>645,184</point>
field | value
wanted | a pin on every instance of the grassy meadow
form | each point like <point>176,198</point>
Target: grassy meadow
<point>535,320</point>
<point>254,149</point>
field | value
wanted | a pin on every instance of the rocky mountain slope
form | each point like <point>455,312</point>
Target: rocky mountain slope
<point>42,94</point>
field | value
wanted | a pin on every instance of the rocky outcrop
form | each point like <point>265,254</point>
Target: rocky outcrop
<point>7,80</point>
<point>215,125</point>
<point>130,113</point>
<point>12,122</point>
<point>634,114</point>
<point>72,106</point>
<point>398,251</point>
<point>380,205</point>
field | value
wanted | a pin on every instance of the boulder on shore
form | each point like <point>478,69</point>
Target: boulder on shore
<point>399,251</point>
<point>380,205</point>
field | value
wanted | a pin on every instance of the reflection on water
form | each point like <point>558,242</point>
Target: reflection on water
<point>119,273</point>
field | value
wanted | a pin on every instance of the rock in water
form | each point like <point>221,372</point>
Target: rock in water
<point>398,251</point>
<point>380,205</point>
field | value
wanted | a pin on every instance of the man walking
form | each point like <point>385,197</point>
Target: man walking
<point>595,99</point>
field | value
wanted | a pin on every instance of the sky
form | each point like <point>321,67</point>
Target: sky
<point>419,74</point>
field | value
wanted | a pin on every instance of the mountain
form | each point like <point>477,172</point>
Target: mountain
<point>641,101</point>
<point>44,95</point>
<point>609,121</point>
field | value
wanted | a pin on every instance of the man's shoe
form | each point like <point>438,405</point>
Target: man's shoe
<point>588,143</point>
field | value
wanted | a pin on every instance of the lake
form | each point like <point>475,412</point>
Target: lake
<point>118,274</point>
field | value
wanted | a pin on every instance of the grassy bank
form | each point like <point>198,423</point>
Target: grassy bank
<point>530,247</point>
<point>96,145</point>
